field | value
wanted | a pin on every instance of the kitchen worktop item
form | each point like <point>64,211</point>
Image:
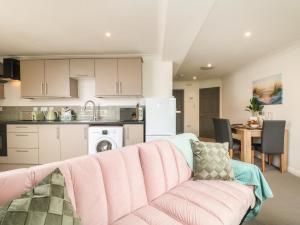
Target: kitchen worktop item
<point>51,115</point>
<point>66,114</point>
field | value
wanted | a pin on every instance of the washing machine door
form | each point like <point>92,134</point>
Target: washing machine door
<point>105,144</point>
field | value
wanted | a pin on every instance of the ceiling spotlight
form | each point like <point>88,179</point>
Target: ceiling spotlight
<point>209,65</point>
<point>194,78</point>
<point>247,34</point>
<point>107,34</point>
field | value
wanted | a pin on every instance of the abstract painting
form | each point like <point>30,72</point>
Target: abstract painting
<point>268,91</point>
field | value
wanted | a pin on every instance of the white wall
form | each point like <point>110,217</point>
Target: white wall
<point>157,82</point>
<point>237,90</point>
<point>191,101</point>
<point>157,77</point>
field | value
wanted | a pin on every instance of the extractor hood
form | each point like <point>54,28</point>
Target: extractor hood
<point>10,69</point>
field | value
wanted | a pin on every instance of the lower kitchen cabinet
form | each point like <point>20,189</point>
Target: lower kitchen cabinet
<point>49,143</point>
<point>133,134</point>
<point>22,156</point>
<point>40,144</point>
<point>22,145</point>
<point>73,141</point>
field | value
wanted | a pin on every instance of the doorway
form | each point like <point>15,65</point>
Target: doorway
<point>209,108</point>
<point>179,95</point>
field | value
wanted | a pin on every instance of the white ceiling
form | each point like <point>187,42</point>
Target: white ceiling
<point>191,33</point>
<point>273,23</point>
<point>42,27</point>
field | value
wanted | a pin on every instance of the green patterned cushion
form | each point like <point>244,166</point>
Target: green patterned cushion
<point>46,204</point>
<point>211,161</point>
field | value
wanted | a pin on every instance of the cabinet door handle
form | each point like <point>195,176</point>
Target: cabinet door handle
<point>46,88</point>
<point>22,151</point>
<point>42,88</point>
<point>121,88</point>
<point>22,135</point>
<point>21,127</point>
<point>57,133</point>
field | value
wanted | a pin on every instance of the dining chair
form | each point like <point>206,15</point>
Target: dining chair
<point>223,134</point>
<point>272,142</point>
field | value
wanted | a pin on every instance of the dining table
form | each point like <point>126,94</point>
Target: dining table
<point>245,135</point>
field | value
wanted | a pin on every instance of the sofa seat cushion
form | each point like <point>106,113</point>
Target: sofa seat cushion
<point>148,215</point>
<point>196,203</point>
<point>206,202</point>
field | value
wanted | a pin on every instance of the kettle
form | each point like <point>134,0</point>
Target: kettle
<point>66,114</point>
<point>51,114</point>
<point>37,115</point>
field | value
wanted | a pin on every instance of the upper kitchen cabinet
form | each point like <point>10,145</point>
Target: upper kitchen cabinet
<point>57,79</point>
<point>118,77</point>
<point>47,78</point>
<point>106,77</point>
<point>130,76</point>
<point>32,78</point>
<point>82,68</point>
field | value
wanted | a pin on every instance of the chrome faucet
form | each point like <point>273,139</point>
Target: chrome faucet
<point>94,108</point>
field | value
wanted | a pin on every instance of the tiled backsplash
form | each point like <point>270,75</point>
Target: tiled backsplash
<point>104,112</point>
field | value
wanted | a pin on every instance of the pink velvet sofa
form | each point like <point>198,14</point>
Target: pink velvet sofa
<point>140,185</point>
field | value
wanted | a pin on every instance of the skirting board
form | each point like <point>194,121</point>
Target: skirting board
<point>294,171</point>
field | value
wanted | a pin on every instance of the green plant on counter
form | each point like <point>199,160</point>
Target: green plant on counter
<point>255,107</point>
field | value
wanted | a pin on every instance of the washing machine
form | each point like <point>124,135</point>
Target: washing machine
<point>104,138</point>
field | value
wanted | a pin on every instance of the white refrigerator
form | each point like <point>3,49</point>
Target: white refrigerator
<point>160,118</point>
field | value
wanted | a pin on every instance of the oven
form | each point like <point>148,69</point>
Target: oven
<point>3,140</point>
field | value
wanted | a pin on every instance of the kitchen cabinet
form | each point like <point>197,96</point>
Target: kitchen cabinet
<point>22,145</point>
<point>23,156</point>
<point>22,140</point>
<point>40,144</point>
<point>118,77</point>
<point>49,143</point>
<point>106,77</point>
<point>130,76</point>
<point>47,78</point>
<point>133,134</point>
<point>32,78</point>
<point>57,79</point>
<point>82,68</point>
<point>19,128</point>
<point>73,141</point>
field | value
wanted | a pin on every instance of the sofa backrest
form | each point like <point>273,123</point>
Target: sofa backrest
<point>107,186</point>
<point>164,167</point>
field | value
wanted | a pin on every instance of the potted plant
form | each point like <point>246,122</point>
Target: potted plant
<point>256,110</point>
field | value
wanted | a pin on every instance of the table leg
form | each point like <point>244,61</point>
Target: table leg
<point>246,146</point>
<point>285,152</point>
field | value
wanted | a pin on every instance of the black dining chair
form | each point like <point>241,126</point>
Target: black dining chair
<point>223,134</point>
<point>272,142</point>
